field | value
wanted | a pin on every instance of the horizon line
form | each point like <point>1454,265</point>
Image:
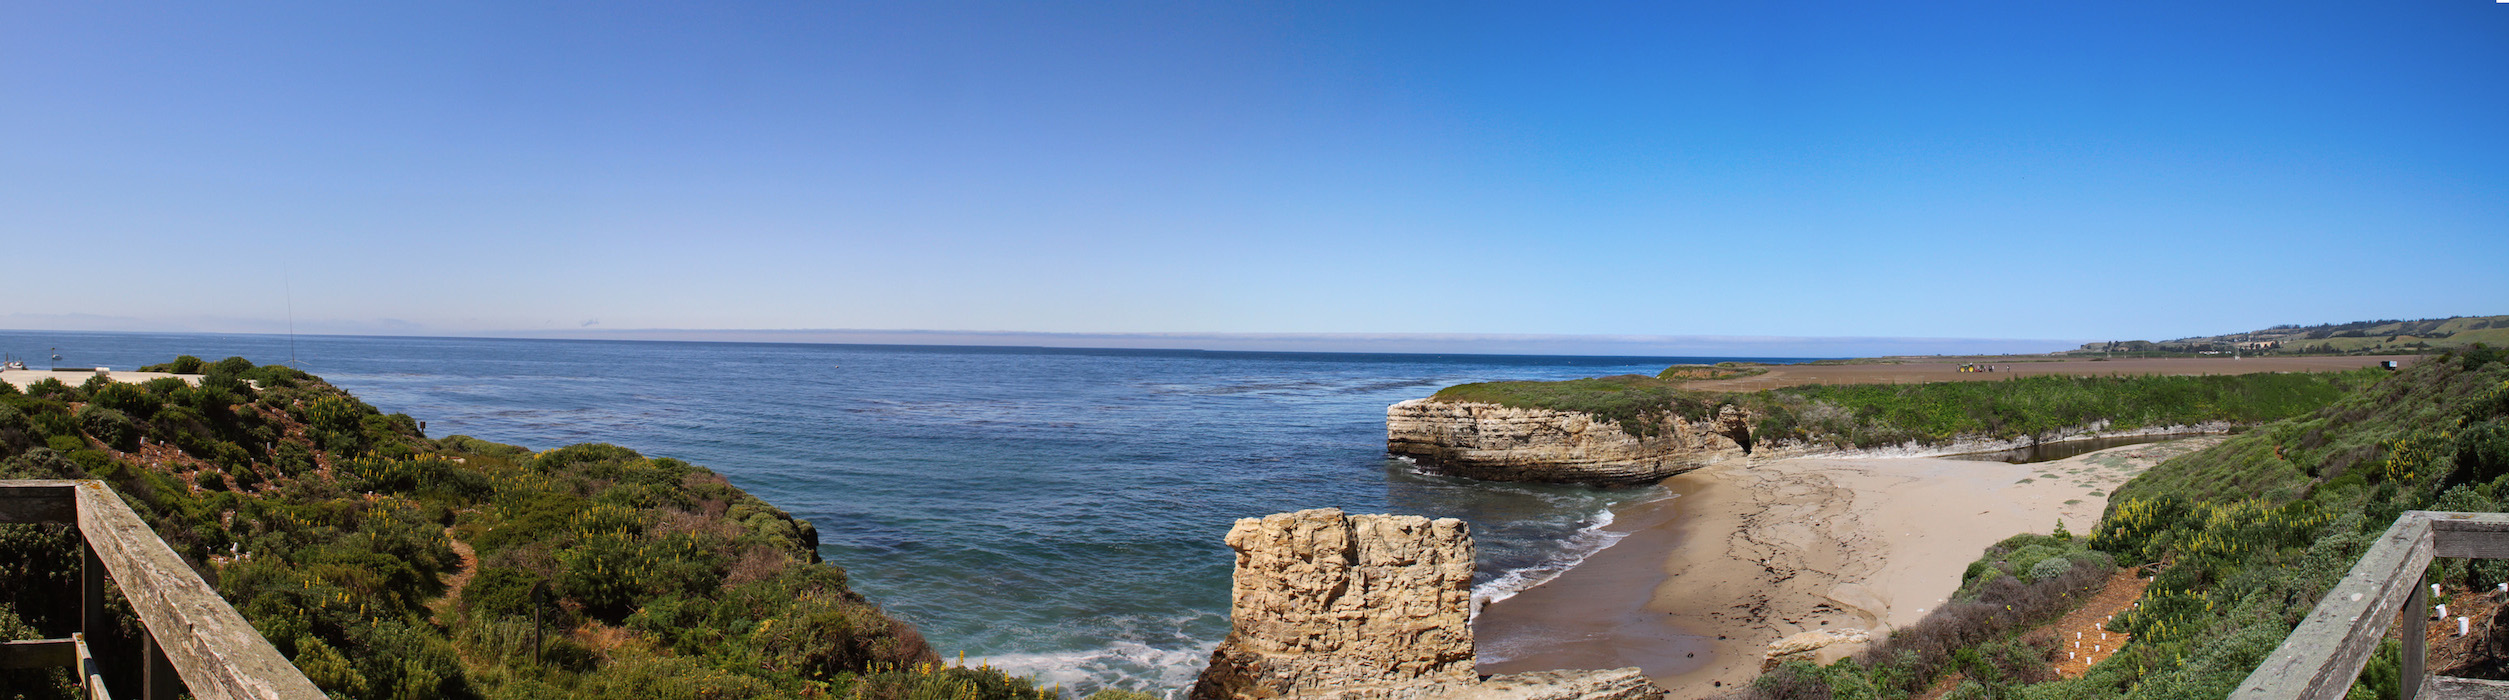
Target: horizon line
<point>1557,344</point>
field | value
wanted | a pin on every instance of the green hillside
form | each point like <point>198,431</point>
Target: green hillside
<point>390,565</point>
<point>2244,539</point>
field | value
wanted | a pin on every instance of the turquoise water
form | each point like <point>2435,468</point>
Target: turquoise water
<point>1056,512</point>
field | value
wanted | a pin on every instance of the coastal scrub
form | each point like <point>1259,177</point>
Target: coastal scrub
<point>387,564</point>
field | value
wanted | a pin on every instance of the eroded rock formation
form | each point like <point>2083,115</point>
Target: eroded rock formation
<point>1818,646</point>
<point>1504,443</point>
<point>1367,607</point>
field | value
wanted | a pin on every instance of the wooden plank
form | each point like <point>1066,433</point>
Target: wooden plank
<point>217,653</point>
<point>92,580</point>
<point>2452,688</point>
<point>38,653</point>
<point>2410,666</point>
<point>156,678</point>
<point>2471,535</point>
<point>90,676</point>
<point>37,501</point>
<point>2326,652</point>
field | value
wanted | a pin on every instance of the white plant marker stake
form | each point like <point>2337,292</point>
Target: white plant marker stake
<point>2443,611</point>
<point>2463,626</point>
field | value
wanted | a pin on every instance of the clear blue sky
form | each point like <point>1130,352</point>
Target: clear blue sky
<point>1936,169</point>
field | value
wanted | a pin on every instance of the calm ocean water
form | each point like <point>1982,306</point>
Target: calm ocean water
<point>1056,512</point>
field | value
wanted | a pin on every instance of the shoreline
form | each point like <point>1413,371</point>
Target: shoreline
<point>1750,551</point>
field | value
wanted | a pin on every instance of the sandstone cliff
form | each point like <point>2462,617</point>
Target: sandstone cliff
<point>1367,607</point>
<point>1505,443</point>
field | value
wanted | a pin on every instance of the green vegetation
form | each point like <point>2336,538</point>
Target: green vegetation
<point>1873,415</point>
<point>1866,415</point>
<point>2247,536</point>
<point>2023,581</point>
<point>1721,370</point>
<point>1641,404</point>
<point>337,530</point>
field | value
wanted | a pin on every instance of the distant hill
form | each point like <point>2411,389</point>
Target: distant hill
<point>2357,338</point>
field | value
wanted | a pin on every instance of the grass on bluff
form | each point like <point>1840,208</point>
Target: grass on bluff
<point>1721,370</point>
<point>1866,415</point>
<point>1639,403</point>
<point>1871,415</point>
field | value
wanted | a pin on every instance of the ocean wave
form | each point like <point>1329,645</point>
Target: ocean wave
<point>1127,665</point>
<point>1594,537</point>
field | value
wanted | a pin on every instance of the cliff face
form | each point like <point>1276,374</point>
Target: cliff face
<point>1504,443</point>
<point>1366,607</point>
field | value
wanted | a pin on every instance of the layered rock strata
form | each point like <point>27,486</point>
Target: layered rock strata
<point>1506,443</point>
<point>1367,607</point>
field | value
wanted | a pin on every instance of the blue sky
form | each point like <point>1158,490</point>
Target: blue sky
<point>1936,170</point>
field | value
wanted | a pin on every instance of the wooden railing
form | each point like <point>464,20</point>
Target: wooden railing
<point>2322,657</point>
<point>193,640</point>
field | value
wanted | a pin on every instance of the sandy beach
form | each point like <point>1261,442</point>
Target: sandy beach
<point>1749,552</point>
<point>1917,371</point>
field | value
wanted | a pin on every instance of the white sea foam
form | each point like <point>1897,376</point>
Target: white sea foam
<point>1127,665</point>
<point>1596,536</point>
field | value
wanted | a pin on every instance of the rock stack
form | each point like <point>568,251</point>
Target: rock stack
<point>1367,607</point>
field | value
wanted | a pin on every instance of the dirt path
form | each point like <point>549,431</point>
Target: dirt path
<point>461,577</point>
<point>2082,637</point>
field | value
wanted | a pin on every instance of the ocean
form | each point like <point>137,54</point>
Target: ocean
<point>1054,512</point>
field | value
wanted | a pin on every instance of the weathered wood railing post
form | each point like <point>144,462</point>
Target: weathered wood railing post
<point>157,677</point>
<point>91,583</point>
<point>2325,653</point>
<point>2416,624</point>
<point>191,639</point>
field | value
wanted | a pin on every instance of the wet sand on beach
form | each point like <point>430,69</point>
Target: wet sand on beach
<point>1917,371</point>
<point>1752,551</point>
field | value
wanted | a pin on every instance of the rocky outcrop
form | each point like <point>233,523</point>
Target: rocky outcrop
<point>1366,607</point>
<point>1614,684</point>
<point>1818,646</point>
<point>1366,604</point>
<point>1505,443</point>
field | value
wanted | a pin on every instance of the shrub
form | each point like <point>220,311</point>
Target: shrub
<point>127,398</point>
<point>327,668</point>
<point>232,366</point>
<point>934,682</point>
<point>575,456</point>
<point>52,388</point>
<point>646,676</point>
<point>501,591</point>
<point>2050,568</point>
<point>182,364</point>
<point>820,635</point>
<point>109,426</point>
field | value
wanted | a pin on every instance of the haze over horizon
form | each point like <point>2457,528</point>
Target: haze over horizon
<point>1969,175</point>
